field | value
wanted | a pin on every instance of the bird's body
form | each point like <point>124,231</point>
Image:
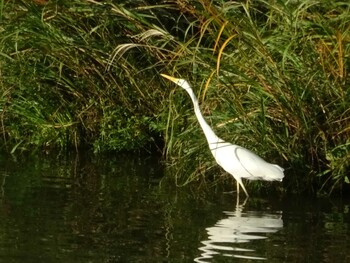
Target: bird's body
<point>245,163</point>
<point>234,159</point>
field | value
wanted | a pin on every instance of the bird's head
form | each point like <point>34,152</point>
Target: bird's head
<point>180,82</point>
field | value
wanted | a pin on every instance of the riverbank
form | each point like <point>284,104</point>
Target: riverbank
<point>270,77</point>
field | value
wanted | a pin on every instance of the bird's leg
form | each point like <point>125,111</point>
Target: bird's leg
<point>237,196</point>
<point>243,188</point>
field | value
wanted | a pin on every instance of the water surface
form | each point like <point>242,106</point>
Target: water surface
<point>88,209</point>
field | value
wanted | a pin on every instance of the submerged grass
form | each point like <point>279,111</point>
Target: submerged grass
<point>270,76</point>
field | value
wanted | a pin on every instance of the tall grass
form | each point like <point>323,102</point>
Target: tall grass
<point>58,89</point>
<point>271,76</point>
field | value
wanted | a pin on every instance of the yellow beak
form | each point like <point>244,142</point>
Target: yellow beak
<point>170,78</point>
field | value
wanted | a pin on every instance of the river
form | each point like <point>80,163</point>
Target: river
<point>84,208</point>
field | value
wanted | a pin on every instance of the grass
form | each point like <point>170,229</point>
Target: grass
<point>58,88</point>
<point>270,76</point>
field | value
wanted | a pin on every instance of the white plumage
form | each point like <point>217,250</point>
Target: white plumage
<point>234,159</point>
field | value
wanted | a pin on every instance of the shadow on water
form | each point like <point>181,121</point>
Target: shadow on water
<point>88,209</point>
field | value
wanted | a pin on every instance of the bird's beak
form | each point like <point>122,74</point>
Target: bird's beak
<point>169,78</point>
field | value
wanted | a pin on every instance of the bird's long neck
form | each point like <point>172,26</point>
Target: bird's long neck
<point>209,133</point>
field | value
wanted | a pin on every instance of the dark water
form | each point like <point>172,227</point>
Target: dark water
<point>81,209</point>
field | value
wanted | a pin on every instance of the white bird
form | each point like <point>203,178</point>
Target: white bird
<point>234,159</point>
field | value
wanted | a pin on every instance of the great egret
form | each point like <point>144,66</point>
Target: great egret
<point>234,159</point>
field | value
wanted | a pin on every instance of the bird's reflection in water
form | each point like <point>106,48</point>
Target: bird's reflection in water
<point>225,238</point>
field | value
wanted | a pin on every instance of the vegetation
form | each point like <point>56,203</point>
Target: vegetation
<point>58,88</point>
<point>270,75</point>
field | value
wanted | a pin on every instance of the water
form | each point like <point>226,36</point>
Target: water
<point>83,209</point>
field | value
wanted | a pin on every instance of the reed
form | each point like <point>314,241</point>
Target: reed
<point>271,77</point>
<point>59,89</point>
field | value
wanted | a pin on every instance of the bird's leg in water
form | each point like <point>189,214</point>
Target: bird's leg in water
<point>240,207</point>
<point>239,183</point>
<point>244,189</point>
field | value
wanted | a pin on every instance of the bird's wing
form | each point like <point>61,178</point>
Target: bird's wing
<point>257,168</point>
